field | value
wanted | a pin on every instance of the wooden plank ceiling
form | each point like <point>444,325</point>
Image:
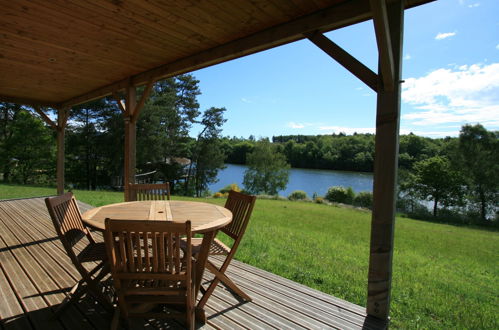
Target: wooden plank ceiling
<point>65,52</point>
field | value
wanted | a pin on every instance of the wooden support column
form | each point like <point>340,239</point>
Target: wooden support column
<point>385,168</point>
<point>62,118</point>
<point>130,138</point>
<point>60,128</point>
<point>131,110</point>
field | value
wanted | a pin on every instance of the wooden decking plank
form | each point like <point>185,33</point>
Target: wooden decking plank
<point>35,307</point>
<point>298,287</point>
<point>272,317</point>
<point>305,304</point>
<point>11,311</point>
<point>220,307</point>
<point>58,269</point>
<point>299,320</point>
<point>277,298</point>
<point>53,280</point>
<point>222,322</point>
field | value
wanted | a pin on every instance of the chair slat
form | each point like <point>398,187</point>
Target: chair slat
<point>148,192</point>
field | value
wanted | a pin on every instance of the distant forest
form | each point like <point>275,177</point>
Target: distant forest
<point>338,151</point>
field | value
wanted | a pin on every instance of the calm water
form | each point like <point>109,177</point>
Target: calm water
<point>310,181</point>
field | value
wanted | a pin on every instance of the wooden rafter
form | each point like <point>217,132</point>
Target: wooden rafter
<point>45,117</point>
<point>345,59</point>
<point>119,101</point>
<point>142,101</point>
<point>385,50</point>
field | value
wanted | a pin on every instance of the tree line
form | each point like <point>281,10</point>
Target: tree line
<point>459,176</point>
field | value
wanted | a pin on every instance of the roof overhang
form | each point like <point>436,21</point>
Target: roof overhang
<point>64,53</point>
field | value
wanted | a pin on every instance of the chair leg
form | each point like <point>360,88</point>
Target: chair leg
<point>76,293</point>
<point>220,276</point>
<point>190,318</point>
<point>115,323</point>
<point>231,285</point>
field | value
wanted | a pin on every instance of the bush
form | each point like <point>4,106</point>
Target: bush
<point>340,195</point>
<point>298,195</point>
<point>364,199</point>
<point>319,200</point>
<point>217,195</point>
<point>232,186</point>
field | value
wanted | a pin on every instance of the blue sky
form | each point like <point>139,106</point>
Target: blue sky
<point>450,68</point>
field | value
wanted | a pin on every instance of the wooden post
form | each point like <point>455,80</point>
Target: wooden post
<point>131,110</point>
<point>62,117</point>
<point>385,172</point>
<point>130,139</point>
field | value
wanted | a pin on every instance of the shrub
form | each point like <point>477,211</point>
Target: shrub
<point>298,195</point>
<point>364,199</point>
<point>232,186</point>
<point>217,195</point>
<point>319,200</point>
<point>340,195</point>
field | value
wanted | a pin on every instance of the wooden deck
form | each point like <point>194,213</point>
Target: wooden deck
<point>36,275</point>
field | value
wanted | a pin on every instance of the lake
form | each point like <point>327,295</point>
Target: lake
<point>308,180</point>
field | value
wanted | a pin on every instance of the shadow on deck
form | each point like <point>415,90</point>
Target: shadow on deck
<point>36,275</point>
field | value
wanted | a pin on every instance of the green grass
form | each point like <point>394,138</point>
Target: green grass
<point>444,277</point>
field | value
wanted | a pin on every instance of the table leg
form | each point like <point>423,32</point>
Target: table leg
<point>200,266</point>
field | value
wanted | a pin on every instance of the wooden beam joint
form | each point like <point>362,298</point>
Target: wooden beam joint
<point>385,49</point>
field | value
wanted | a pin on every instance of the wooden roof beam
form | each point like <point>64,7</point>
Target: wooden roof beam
<point>25,101</point>
<point>385,50</point>
<point>349,62</point>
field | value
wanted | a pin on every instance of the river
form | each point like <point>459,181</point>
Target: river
<point>308,180</point>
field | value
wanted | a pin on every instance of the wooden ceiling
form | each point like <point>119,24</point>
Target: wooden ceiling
<point>64,52</point>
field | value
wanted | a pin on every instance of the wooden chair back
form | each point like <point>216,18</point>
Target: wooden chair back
<point>146,260</point>
<point>241,206</point>
<point>69,226</point>
<point>150,192</point>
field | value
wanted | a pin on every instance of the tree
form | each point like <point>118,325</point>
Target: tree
<point>207,155</point>
<point>86,154</point>
<point>434,179</point>
<point>29,149</point>
<point>268,171</point>
<point>478,159</point>
<point>164,124</point>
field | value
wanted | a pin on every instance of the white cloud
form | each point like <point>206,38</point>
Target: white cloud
<point>474,5</point>
<point>445,35</point>
<point>407,57</point>
<point>295,125</point>
<point>245,100</point>
<point>466,94</point>
<point>347,130</point>
<point>497,47</point>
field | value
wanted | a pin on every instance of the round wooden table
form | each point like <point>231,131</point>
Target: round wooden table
<point>205,218</point>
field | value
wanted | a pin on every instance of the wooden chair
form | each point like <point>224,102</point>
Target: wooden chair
<point>148,267</point>
<point>241,206</point>
<point>149,192</point>
<point>68,224</point>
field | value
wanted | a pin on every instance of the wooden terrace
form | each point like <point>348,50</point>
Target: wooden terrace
<point>59,54</point>
<point>36,274</point>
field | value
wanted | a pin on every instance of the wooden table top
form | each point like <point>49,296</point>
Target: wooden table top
<point>203,216</point>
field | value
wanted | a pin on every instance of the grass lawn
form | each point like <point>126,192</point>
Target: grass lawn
<point>444,277</point>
